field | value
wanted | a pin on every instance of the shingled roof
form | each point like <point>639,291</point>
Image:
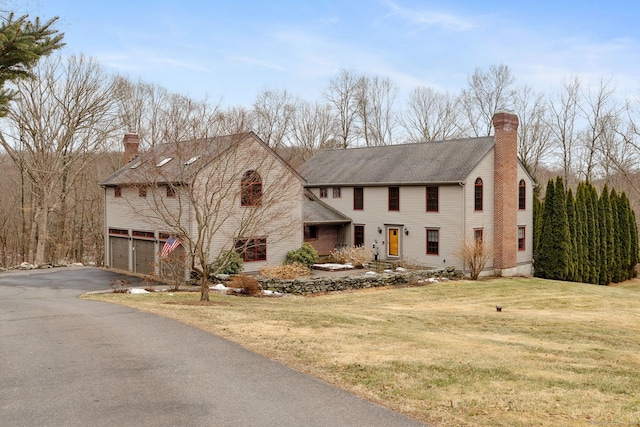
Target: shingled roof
<point>419,163</point>
<point>178,162</point>
<point>318,212</point>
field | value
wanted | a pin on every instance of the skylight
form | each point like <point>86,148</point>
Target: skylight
<point>164,162</point>
<point>136,164</point>
<point>191,160</point>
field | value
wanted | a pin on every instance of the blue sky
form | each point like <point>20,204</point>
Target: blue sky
<point>232,50</point>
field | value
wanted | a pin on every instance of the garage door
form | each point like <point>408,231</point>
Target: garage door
<point>119,252</point>
<point>143,256</point>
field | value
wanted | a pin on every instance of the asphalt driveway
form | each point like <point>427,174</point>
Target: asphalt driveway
<point>71,362</point>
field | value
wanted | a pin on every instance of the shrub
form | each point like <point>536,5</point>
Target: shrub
<point>287,271</point>
<point>475,254</point>
<point>244,285</point>
<point>228,262</point>
<point>170,269</point>
<point>355,255</point>
<point>306,255</point>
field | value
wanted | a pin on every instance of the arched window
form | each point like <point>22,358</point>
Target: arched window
<point>522,195</point>
<point>250,189</point>
<point>478,194</point>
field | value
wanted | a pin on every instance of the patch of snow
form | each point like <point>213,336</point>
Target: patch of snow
<point>400,269</point>
<point>138,291</point>
<point>219,287</point>
<point>270,293</point>
<point>370,273</point>
<point>388,271</point>
<point>333,266</point>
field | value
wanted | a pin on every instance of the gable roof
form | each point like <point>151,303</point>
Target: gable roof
<point>419,163</point>
<point>317,212</point>
<point>187,158</point>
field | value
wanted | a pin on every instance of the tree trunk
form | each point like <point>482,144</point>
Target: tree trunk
<point>204,289</point>
<point>33,237</point>
<point>42,219</point>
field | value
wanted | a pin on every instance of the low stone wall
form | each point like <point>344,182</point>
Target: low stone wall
<point>343,283</point>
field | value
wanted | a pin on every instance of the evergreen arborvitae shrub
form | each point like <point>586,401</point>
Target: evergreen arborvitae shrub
<point>617,239</point>
<point>542,261</point>
<point>606,237</point>
<point>593,234</point>
<point>562,236</point>
<point>589,238</point>
<point>538,208</point>
<point>581,255</point>
<point>572,270</point>
<point>630,255</point>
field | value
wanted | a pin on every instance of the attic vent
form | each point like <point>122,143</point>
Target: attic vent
<point>136,164</point>
<point>164,162</point>
<point>191,160</point>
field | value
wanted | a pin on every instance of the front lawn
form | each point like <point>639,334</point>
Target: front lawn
<point>558,353</point>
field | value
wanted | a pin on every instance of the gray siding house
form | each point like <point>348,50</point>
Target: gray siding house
<point>419,202</point>
<point>231,192</point>
<point>415,203</point>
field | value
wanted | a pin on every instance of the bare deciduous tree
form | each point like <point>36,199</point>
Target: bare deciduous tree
<point>57,119</point>
<point>158,116</point>
<point>487,93</point>
<point>342,96</point>
<point>375,98</point>
<point>534,132</point>
<point>233,120</point>
<point>313,129</point>
<point>273,113</point>
<point>432,116</point>
<point>602,117</point>
<point>563,123</point>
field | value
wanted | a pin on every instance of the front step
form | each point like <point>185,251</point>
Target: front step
<point>382,265</point>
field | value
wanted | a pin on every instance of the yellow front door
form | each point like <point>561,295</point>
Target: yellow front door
<point>393,242</point>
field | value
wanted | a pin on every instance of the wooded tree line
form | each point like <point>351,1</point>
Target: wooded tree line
<point>63,128</point>
<point>586,238</point>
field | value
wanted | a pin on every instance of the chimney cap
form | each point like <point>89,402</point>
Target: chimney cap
<point>504,117</point>
<point>131,137</point>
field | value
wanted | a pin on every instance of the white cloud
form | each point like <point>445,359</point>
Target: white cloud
<point>430,18</point>
<point>256,62</point>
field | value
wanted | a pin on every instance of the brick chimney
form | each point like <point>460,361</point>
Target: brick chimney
<point>505,242</point>
<point>131,145</point>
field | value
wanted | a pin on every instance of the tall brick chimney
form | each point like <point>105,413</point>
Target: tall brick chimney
<point>505,242</point>
<point>131,146</point>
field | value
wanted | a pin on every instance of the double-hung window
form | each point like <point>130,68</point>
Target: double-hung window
<point>394,198</point>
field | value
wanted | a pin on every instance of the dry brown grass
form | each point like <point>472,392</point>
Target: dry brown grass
<point>286,271</point>
<point>559,353</point>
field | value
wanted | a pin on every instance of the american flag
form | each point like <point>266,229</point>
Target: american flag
<point>169,246</point>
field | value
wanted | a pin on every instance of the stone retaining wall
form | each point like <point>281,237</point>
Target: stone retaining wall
<point>343,283</point>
